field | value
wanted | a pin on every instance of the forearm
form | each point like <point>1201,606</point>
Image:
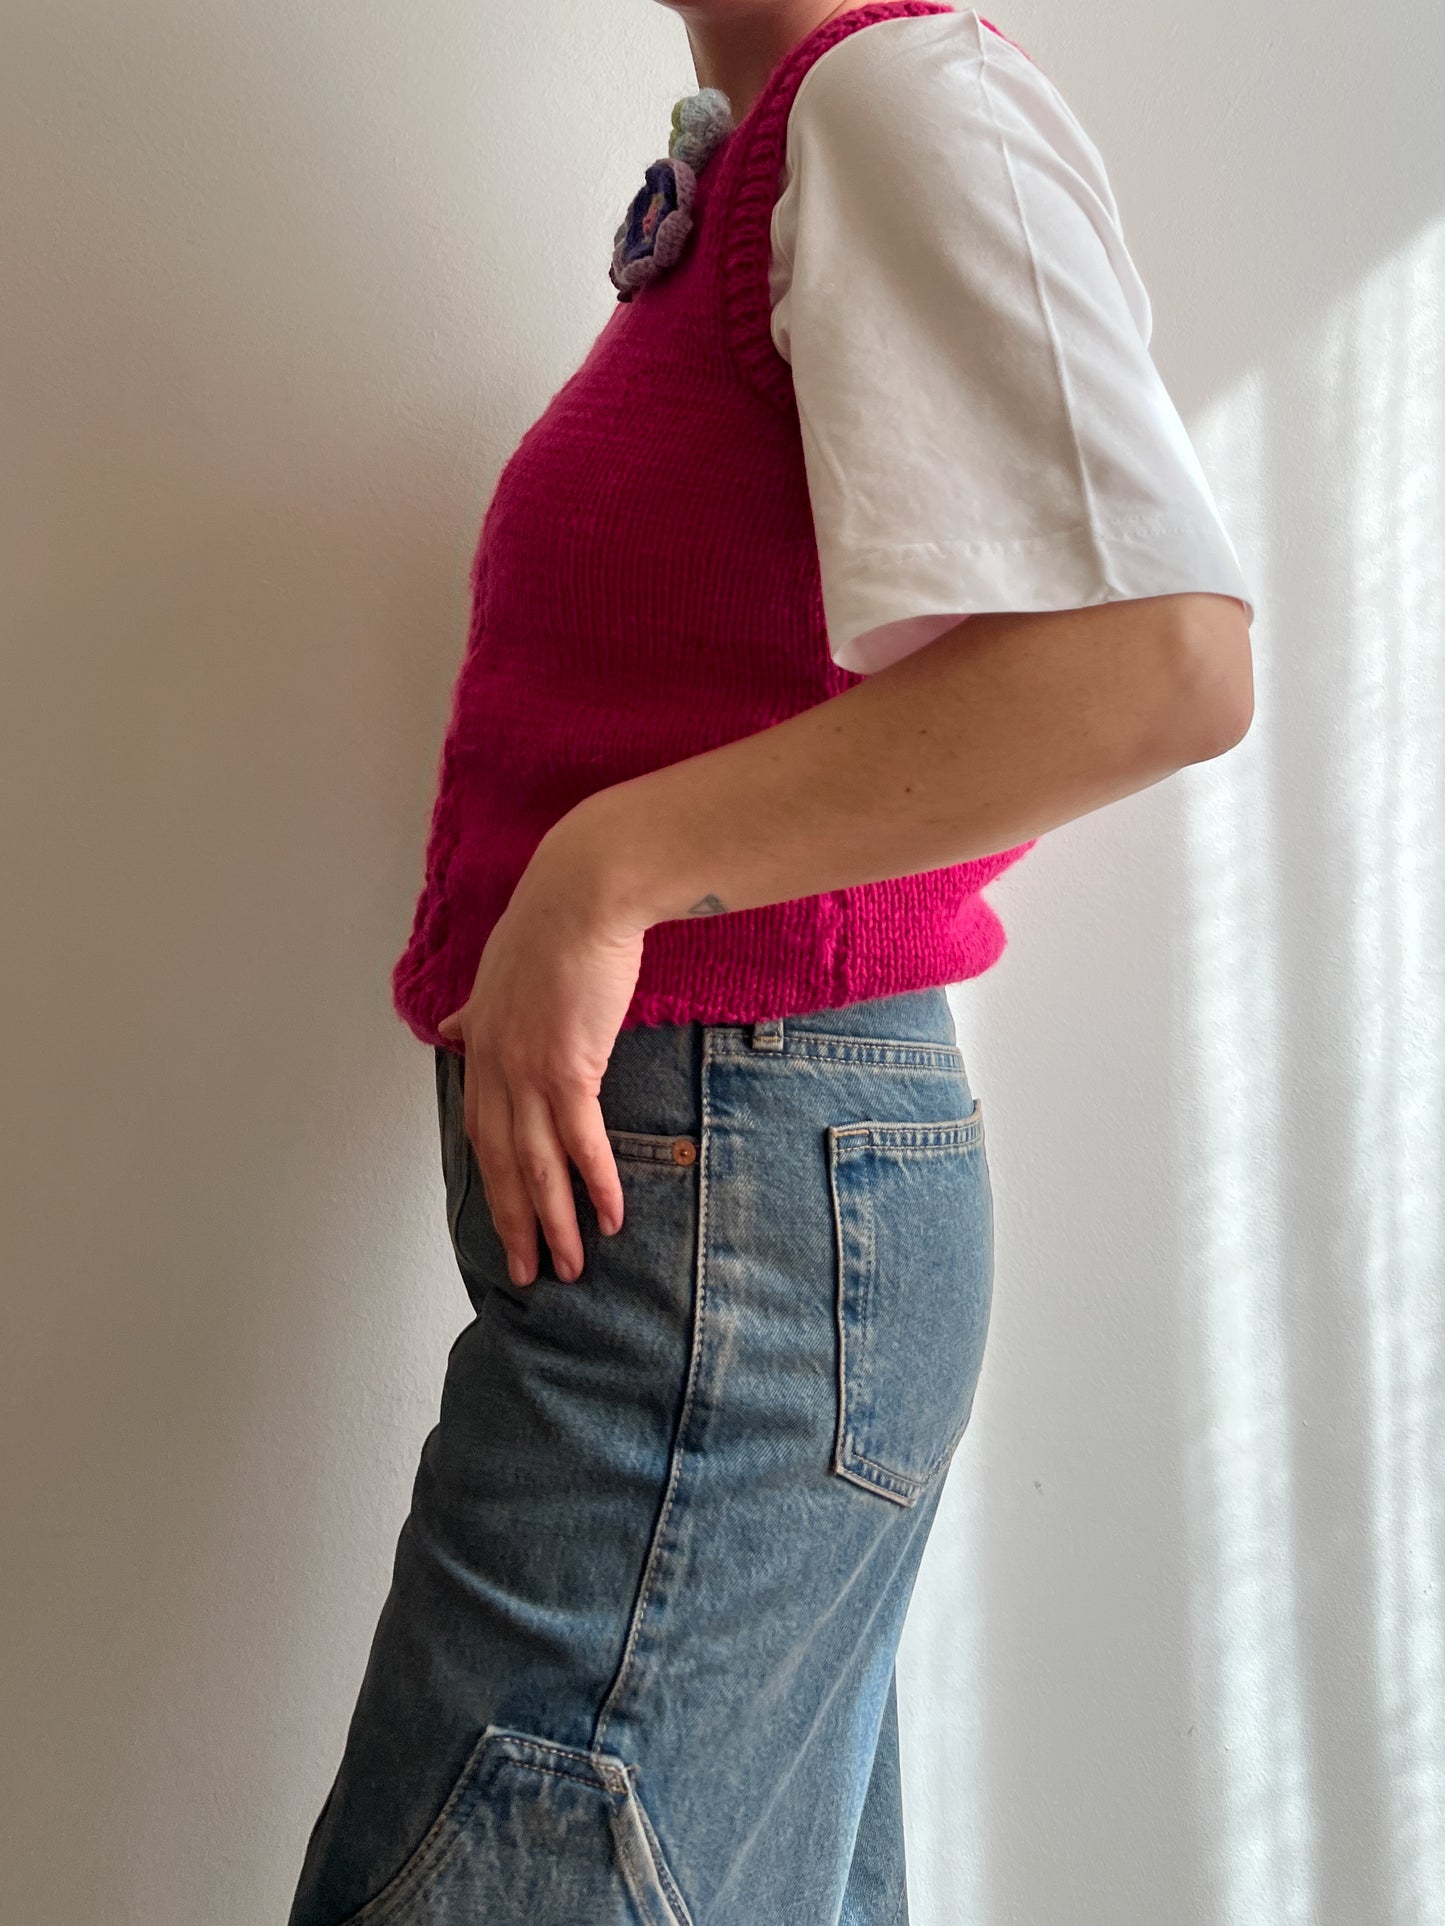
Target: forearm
<point>1000,730</point>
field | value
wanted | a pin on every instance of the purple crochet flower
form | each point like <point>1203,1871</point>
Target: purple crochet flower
<point>660,217</point>
<point>658,222</point>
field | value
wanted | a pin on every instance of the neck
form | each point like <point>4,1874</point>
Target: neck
<point>737,52</point>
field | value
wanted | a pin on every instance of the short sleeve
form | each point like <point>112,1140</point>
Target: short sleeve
<point>983,425</point>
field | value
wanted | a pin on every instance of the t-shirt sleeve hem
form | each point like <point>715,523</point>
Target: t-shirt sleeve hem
<point>880,601</point>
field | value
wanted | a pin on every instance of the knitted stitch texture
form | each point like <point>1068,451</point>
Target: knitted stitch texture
<point>646,587</point>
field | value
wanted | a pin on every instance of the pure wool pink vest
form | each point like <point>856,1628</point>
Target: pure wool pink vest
<point>646,587</point>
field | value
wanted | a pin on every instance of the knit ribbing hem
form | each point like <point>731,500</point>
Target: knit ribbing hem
<point>724,992</point>
<point>692,972</point>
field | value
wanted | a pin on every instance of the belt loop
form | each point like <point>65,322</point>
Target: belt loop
<point>767,1034</point>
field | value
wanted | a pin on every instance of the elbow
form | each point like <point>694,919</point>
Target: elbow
<point>1214,697</point>
<point>1220,722</point>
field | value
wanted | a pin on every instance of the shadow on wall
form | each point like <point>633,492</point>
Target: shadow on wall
<point>1265,160</point>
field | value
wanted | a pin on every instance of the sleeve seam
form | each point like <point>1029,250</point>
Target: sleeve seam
<point>1126,526</point>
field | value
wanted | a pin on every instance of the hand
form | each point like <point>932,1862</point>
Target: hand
<point>552,987</point>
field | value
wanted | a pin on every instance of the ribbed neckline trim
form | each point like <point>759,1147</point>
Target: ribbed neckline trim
<point>749,191</point>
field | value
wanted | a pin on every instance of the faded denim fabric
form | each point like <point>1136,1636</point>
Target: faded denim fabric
<point>636,1664</point>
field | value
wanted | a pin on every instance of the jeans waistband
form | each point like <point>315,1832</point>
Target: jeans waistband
<point>914,1016</point>
<point>653,1081</point>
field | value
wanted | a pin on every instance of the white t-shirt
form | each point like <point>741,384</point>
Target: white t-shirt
<point>983,425</point>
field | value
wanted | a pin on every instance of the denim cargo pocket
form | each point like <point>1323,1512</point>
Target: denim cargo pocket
<point>913,1221</point>
<point>563,1827</point>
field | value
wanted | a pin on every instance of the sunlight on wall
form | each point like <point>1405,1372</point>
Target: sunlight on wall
<point>1311,1008</point>
<point>1237,1399</point>
<point>1396,942</point>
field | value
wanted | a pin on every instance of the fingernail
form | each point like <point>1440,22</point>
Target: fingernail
<point>566,1270</point>
<point>610,1225</point>
<point>517,1268</point>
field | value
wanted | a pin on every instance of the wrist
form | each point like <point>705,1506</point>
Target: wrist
<point>591,858</point>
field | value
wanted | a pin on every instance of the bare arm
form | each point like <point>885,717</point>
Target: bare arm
<point>996,732</point>
<point>999,730</point>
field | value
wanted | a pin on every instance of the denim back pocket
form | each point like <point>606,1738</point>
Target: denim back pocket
<point>913,1221</point>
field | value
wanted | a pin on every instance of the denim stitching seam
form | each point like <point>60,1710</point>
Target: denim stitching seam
<point>655,1548</point>
<point>821,1047</point>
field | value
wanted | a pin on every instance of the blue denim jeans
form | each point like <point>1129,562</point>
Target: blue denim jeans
<point>636,1666</point>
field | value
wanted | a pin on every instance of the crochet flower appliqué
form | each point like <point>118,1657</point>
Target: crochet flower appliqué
<point>660,217</point>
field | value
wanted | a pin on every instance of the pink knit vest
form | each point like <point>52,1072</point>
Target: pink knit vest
<point>646,587</point>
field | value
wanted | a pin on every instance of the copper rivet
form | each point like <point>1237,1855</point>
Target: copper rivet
<point>684,1150</point>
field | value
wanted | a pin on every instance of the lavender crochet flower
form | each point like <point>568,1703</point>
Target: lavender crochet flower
<point>660,217</point>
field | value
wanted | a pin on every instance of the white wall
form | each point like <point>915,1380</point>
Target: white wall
<point>279,296</point>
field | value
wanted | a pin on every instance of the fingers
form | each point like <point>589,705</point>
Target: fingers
<point>543,1165</point>
<point>523,1141</point>
<point>584,1137</point>
<point>490,1125</point>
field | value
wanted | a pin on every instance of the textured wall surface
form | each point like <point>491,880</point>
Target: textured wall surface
<point>283,285</point>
